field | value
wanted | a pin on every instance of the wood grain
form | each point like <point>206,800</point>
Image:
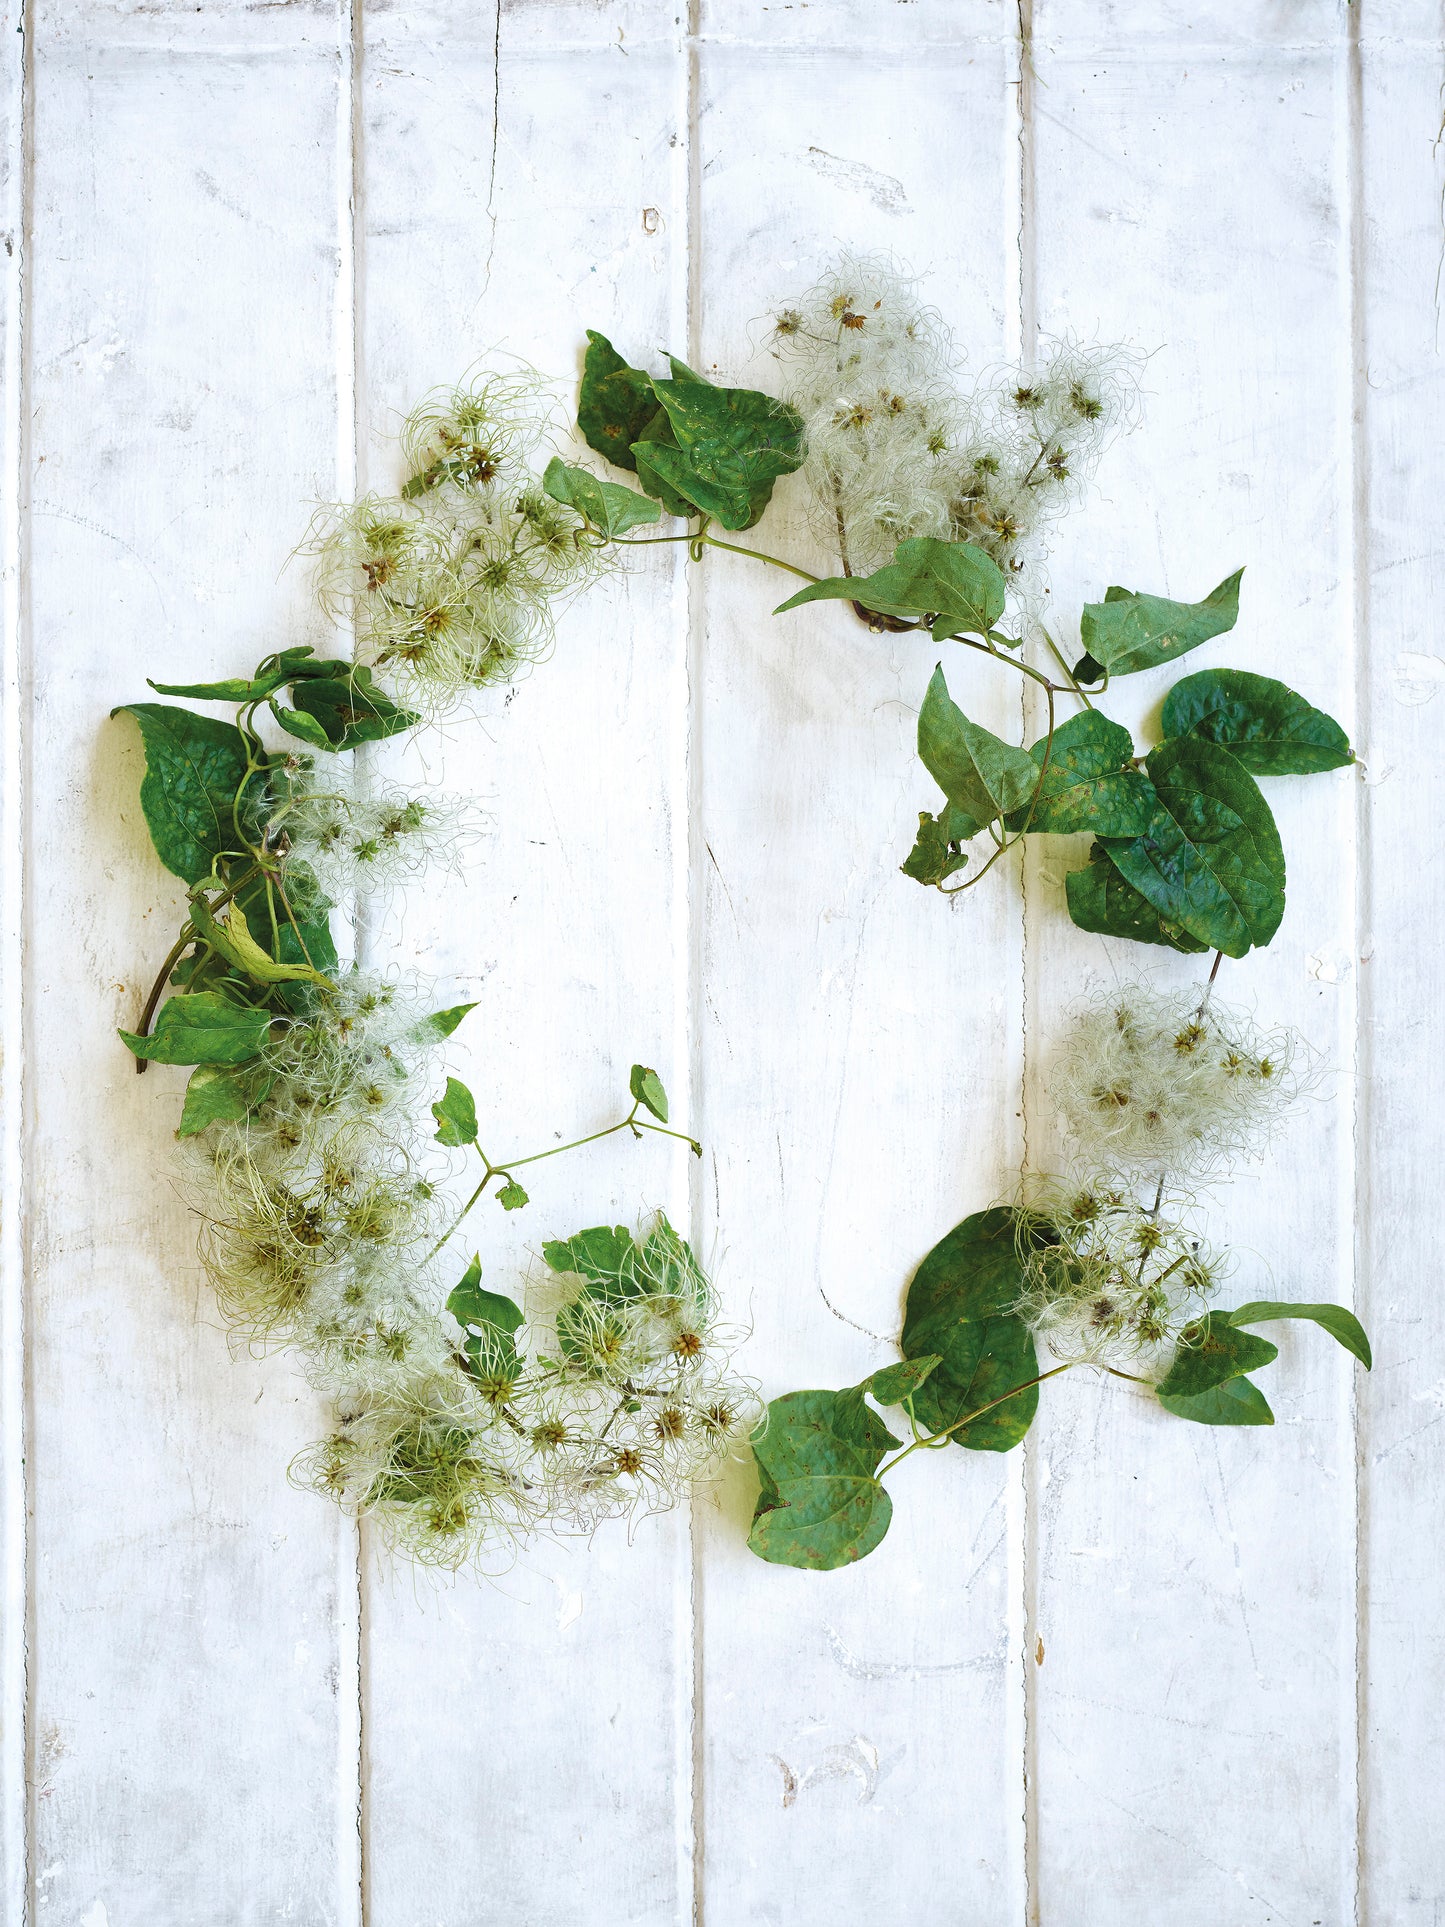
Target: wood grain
<point>1137,1672</point>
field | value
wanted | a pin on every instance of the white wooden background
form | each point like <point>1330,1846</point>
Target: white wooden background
<point>1136,1673</point>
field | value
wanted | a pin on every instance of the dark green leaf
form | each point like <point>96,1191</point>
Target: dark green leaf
<point>655,457</point>
<point>933,858</point>
<point>979,774</point>
<point>1086,670</point>
<point>616,402</point>
<point>202,1028</point>
<point>511,1196</point>
<point>216,1095</point>
<point>349,708</point>
<point>1088,784</point>
<point>1342,1325</point>
<point>820,1523</point>
<point>646,1086</point>
<point>732,445</point>
<point>441,1023</point>
<point>1238,1401</point>
<point>1210,859</point>
<point>194,767</point>
<point>606,505</point>
<point>1211,1350</point>
<point>895,1383</point>
<point>806,1434</point>
<point>1126,631</point>
<point>953,581</point>
<point>1100,900</point>
<point>456,1116</point>
<point>1269,728</point>
<point>959,1308</point>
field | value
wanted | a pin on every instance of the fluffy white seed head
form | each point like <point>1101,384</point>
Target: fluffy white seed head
<point>1148,1082</point>
<point>1108,1280</point>
<point>901,444</point>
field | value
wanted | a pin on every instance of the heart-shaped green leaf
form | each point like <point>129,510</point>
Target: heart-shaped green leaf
<point>953,581</point>
<point>1210,1350</point>
<point>348,708</point>
<point>1126,632</point>
<point>732,445</point>
<point>1265,725</point>
<point>1210,859</point>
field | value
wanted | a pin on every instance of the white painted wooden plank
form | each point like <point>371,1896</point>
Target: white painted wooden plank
<point>1192,1729</point>
<point>183,1660</point>
<point>12,1006</point>
<point>1402,919</point>
<point>529,1740</point>
<point>859,1048</point>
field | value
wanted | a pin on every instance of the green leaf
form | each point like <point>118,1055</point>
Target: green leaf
<point>202,1028</point>
<point>1126,632</point>
<point>606,505</point>
<point>511,1197</point>
<point>616,402</point>
<point>194,767</point>
<point>981,775</point>
<point>808,1433</point>
<point>216,1095</point>
<point>1100,900</point>
<point>646,1086</point>
<point>1269,728</point>
<point>605,1255</point>
<point>469,1304</point>
<point>1210,859</point>
<point>296,723</point>
<point>1238,1401</point>
<point>732,445</point>
<point>1088,784</point>
<point>953,581</point>
<point>490,1321</point>
<point>653,458</point>
<point>287,667</point>
<point>1342,1325</point>
<point>441,1023</point>
<point>348,708</point>
<point>456,1116</point>
<point>820,1506</point>
<point>233,941</point>
<point>895,1383</point>
<point>1210,1350</point>
<point>820,1523</point>
<point>933,858</point>
<point>959,1309</point>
